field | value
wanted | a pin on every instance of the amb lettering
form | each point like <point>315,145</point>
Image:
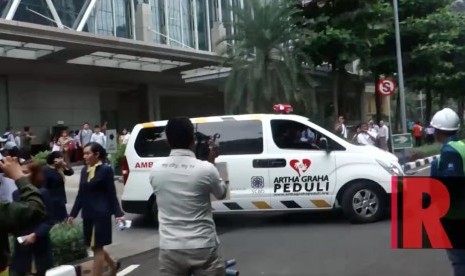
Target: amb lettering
<point>144,165</point>
<point>308,183</point>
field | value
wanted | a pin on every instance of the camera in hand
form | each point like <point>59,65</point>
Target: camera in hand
<point>202,147</point>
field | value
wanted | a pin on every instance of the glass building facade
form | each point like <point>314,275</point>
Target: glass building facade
<point>182,23</point>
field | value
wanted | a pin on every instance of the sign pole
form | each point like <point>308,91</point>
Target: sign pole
<point>400,74</point>
<point>390,124</point>
<point>387,87</point>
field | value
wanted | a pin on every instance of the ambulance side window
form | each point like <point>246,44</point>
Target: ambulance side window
<point>289,134</point>
<point>151,142</point>
<point>235,137</point>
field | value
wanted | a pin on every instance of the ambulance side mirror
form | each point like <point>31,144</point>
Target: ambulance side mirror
<point>323,144</point>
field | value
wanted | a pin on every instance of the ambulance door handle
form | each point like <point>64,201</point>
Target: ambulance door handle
<point>269,163</point>
<point>278,163</point>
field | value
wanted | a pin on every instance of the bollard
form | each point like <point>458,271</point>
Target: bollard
<point>230,263</point>
<point>232,272</point>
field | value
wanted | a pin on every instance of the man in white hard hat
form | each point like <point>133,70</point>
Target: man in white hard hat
<point>451,164</point>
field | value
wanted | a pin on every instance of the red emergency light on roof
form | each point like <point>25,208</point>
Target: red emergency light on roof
<point>283,108</point>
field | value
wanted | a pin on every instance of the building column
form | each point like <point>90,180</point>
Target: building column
<point>144,23</point>
<point>153,95</point>
<point>4,105</point>
<point>365,93</point>
<point>218,31</point>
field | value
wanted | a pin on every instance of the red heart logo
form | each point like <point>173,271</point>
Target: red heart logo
<point>306,163</point>
<point>300,166</point>
<point>295,165</point>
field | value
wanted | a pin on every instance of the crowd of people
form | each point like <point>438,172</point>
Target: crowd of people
<point>366,133</point>
<point>96,200</point>
<point>374,134</point>
<point>21,140</point>
<point>70,143</point>
<point>422,133</point>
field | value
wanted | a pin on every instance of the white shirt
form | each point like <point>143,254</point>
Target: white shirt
<point>430,130</point>
<point>10,137</point>
<point>125,138</point>
<point>85,135</point>
<point>99,138</point>
<point>364,139</point>
<point>18,141</point>
<point>7,187</point>
<point>344,131</point>
<point>182,185</point>
<point>383,131</point>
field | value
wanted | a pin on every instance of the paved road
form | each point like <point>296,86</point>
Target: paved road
<point>309,243</point>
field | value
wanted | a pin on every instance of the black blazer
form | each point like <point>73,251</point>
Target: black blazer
<point>97,198</point>
<point>55,183</point>
<point>42,248</point>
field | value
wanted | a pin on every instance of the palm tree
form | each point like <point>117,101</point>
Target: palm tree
<point>267,65</point>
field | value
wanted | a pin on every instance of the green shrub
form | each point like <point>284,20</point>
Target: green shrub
<point>117,157</point>
<point>423,151</point>
<point>68,243</point>
<point>41,157</point>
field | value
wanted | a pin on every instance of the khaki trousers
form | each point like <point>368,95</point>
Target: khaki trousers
<point>187,262</point>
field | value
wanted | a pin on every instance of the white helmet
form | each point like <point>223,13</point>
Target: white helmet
<point>446,120</point>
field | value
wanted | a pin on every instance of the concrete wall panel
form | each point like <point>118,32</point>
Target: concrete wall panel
<point>191,106</point>
<point>41,104</point>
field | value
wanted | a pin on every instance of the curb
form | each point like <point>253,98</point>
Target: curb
<point>419,162</point>
<point>79,268</point>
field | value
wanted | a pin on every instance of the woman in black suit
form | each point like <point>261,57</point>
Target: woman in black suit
<point>34,254</point>
<point>98,201</point>
<point>55,174</point>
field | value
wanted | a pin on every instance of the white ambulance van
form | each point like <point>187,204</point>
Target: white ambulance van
<point>271,168</point>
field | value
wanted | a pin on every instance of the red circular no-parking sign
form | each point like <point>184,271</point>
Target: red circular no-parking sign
<point>386,87</point>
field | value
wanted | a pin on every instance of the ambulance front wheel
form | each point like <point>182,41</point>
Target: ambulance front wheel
<point>364,202</point>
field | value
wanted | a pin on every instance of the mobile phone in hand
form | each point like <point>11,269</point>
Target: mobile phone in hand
<point>20,239</point>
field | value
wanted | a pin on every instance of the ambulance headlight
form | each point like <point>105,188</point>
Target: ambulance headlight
<point>390,168</point>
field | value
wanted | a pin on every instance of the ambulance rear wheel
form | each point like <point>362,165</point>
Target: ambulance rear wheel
<point>151,214</point>
<point>364,202</point>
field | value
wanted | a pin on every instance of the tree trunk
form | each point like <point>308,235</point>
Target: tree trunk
<point>442,100</point>
<point>429,103</point>
<point>379,103</point>
<point>378,100</point>
<point>250,104</point>
<point>314,102</point>
<point>461,107</point>
<point>363,106</point>
<point>336,76</point>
